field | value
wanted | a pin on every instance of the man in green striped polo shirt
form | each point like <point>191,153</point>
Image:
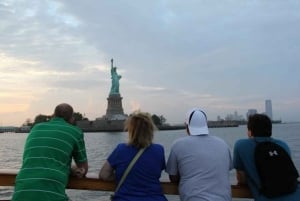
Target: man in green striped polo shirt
<point>47,158</point>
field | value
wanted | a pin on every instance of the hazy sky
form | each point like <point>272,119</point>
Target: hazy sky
<point>220,55</point>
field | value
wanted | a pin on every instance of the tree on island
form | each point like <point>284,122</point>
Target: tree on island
<point>28,122</point>
<point>158,120</point>
<point>43,118</point>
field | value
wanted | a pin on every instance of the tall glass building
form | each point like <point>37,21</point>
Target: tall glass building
<point>268,106</point>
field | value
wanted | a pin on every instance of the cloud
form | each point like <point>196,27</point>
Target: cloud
<point>172,55</point>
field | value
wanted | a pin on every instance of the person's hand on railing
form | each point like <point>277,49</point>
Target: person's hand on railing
<point>77,172</point>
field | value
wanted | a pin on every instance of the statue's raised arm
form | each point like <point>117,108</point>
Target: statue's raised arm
<point>114,79</point>
<point>112,63</point>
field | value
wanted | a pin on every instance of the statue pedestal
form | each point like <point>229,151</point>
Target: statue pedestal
<point>114,109</point>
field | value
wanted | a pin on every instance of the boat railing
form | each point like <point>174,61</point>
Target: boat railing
<point>7,178</point>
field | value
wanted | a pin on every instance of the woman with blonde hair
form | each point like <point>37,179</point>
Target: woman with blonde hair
<point>142,182</point>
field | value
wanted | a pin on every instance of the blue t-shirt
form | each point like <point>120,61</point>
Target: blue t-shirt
<point>142,182</point>
<point>243,160</point>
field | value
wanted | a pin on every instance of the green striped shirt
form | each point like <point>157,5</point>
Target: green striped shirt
<point>48,153</point>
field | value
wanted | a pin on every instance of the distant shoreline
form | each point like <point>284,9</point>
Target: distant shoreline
<point>211,124</point>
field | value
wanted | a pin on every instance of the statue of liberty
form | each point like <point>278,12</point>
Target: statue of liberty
<point>114,79</point>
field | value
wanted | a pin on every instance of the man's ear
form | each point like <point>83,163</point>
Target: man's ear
<point>187,129</point>
<point>72,121</point>
<point>249,133</point>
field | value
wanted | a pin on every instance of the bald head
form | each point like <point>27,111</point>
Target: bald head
<point>64,111</point>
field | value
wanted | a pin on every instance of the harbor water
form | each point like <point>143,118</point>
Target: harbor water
<point>100,144</point>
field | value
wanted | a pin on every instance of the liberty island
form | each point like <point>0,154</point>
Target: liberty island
<point>114,118</point>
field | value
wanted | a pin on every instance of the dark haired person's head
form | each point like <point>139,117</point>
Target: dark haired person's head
<point>64,111</point>
<point>260,125</point>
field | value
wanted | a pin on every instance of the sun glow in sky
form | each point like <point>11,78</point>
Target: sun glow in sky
<point>221,56</point>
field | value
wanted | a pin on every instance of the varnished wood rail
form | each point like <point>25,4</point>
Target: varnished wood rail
<point>7,178</point>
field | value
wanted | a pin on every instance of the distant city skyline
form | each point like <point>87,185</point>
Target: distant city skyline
<point>231,116</point>
<point>235,116</point>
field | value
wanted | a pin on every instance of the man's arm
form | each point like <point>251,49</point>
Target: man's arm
<point>241,177</point>
<point>80,170</point>
<point>174,178</point>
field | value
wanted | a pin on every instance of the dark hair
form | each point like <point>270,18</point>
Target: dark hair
<point>64,111</point>
<point>260,125</point>
<point>140,129</point>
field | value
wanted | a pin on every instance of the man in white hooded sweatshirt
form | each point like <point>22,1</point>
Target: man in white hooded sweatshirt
<point>200,162</point>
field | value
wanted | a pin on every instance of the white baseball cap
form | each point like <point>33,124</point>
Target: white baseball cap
<point>196,121</point>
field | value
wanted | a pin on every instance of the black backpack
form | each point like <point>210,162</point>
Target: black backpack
<point>276,169</point>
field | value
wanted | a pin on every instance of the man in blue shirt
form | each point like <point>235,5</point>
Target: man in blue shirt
<point>259,130</point>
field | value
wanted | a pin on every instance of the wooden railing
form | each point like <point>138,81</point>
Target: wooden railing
<point>7,178</point>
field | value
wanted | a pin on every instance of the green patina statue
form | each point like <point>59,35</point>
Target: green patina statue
<point>114,79</point>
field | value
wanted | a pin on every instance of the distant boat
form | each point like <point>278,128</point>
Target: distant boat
<point>276,121</point>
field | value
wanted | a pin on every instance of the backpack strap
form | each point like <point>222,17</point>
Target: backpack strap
<point>267,139</point>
